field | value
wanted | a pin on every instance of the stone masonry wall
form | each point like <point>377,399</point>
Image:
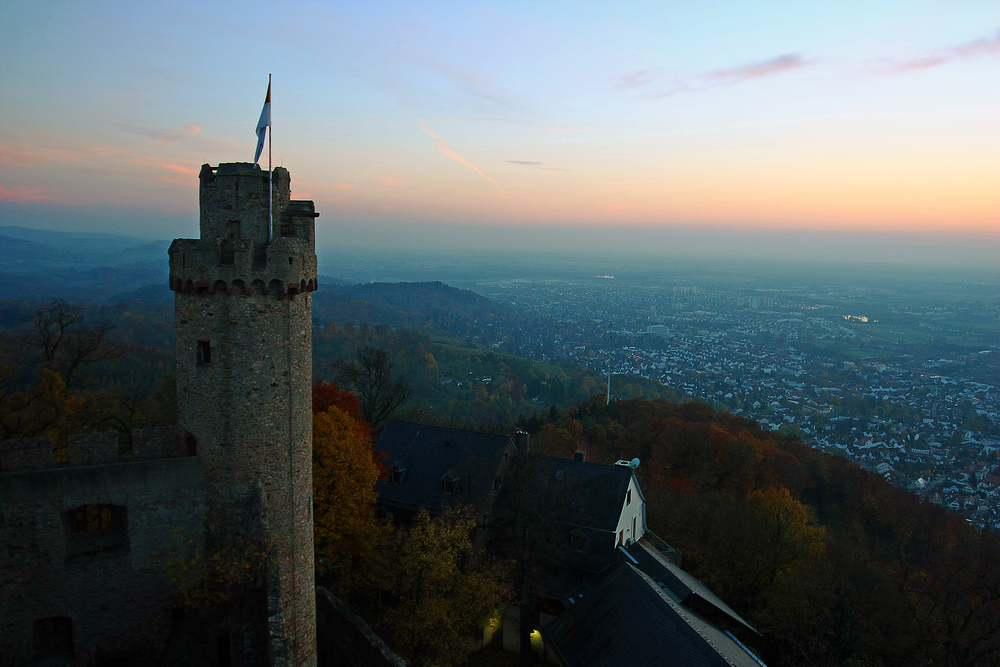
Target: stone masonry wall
<point>244,381</point>
<point>90,449</point>
<point>119,602</point>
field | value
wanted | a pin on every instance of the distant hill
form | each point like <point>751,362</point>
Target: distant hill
<point>27,250</point>
<point>430,306</point>
<point>155,292</point>
<point>80,285</point>
<point>16,252</point>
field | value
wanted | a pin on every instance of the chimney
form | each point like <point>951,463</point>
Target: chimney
<point>580,455</point>
<point>521,442</point>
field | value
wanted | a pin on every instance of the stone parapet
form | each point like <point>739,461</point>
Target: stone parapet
<point>26,454</point>
<point>240,251</point>
<point>89,449</point>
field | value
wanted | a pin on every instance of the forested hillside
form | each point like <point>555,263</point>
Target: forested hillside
<point>117,358</point>
<point>832,564</point>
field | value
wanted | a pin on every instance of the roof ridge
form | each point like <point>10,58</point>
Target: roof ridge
<point>683,612</point>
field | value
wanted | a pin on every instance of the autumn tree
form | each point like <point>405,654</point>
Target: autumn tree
<point>344,476</point>
<point>326,394</point>
<point>45,409</point>
<point>432,594</point>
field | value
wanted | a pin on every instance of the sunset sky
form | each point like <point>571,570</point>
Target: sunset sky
<point>868,117</point>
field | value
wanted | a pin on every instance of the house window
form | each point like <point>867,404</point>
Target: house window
<point>628,497</point>
<point>578,540</point>
<point>53,640</point>
<point>204,357</point>
<point>621,537</point>
<point>449,484</point>
<point>96,530</point>
<point>396,475</point>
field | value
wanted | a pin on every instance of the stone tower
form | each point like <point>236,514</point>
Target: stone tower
<point>243,312</point>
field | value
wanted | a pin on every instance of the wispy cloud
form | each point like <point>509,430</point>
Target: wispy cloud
<point>344,186</point>
<point>536,165</point>
<point>443,147</point>
<point>177,168</point>
<point>615,207</point>
<point>161,136</point>
<point>48,149</point>
<point>657,86</point>
<point>977,48</point>
<point>634,80</point>
<point>758,70</point>
<point>22,195</point>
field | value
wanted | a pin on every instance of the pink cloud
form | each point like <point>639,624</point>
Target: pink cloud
<point>443,147</point>
<point>651,80</point>
<point>615,207</point>
<point>344,186</point>
<point>976,48</point>
<point>178,168</point>
<point>160,135</point>
<point>777,65</point>
<point>22,195</point>
<point>634,80</point>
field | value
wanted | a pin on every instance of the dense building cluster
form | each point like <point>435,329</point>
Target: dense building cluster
<point>924,414</point>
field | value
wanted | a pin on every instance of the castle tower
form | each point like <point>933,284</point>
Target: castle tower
<point>243,312</point>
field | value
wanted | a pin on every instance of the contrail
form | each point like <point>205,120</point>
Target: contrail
<point>443,147</point>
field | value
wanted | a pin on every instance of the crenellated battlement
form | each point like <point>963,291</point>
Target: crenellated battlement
<point>238,252</point>
<point>89,449</point>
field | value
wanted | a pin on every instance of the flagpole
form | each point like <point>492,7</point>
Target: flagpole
<point>270,172</point>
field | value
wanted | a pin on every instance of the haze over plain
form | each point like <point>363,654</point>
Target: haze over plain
<point>854,131</point>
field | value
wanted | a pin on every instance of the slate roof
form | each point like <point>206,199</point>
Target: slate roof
<point>689,590</point>
<point>629,620</point>
<point>430,453</point>
<point>578,493</point>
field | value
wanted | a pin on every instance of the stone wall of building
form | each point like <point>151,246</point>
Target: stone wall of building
<point>83,540</point>
<point>109,581</point>
<point>91,449</point>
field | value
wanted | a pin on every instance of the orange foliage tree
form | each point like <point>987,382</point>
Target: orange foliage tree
<point>344,474</point>
<point>326,395</point>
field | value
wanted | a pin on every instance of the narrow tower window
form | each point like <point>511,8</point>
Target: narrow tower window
<point>190,445</point>
<point>204,352</point>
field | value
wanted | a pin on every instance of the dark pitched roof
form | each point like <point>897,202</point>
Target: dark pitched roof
<point>578,493</point>
<point>429,454</point>
<point>626,620</point>
<point>687,589</point>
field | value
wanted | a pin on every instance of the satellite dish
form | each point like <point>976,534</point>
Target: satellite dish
<point>634,463</point>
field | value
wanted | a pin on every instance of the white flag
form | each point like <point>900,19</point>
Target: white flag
<point>263,123</point>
